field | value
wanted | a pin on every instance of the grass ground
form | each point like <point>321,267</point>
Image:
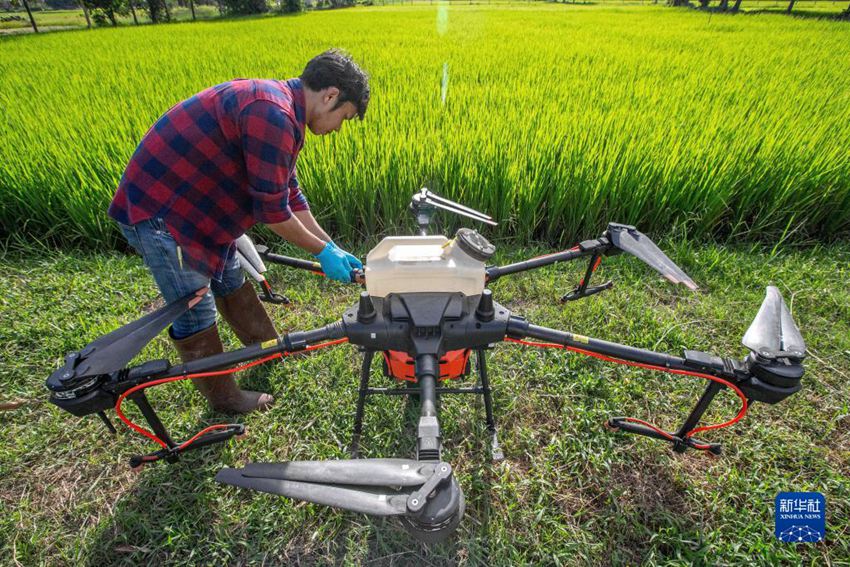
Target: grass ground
<point>568,493</point>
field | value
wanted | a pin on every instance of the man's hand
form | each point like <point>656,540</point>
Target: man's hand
<point>352,259</point>
<point>335,264</point>
<point>302,230</point>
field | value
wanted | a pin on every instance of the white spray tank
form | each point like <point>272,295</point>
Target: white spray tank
<point>411,264</point>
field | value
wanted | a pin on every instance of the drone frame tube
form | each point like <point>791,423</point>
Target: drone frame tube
<point>288,342</point>
<point>159,373</point>
<point>594,248</point>
<point>519,328</point>
<point>428,447</point>
<point>495,272</point>
<point>308,265</point>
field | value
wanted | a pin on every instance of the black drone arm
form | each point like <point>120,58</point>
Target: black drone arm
<point>587,248</point>
<point>616,239</point>
<point>518,328</point>
<point>770,373</point>
<point>160,372</point>
<point>286,343</point>
<point>308,265</point>
<point>96,378</point>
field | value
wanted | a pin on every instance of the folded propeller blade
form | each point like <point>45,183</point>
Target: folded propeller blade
<point>629,239</point>
<point>249,268</point>
<point>365,500</point>
<point>113,351</point>
<point>443,201</point>
<point>773,333</point>
<point>250,255</point>
<point>361,472</point>
<point>451,209</point>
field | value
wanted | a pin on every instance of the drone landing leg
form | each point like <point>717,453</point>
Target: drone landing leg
<point>144,405</point>
<point>495,451</point>
<point>704,400</point>
<point>680,438</point>
<point>361,403</point>
<point>158,428</point>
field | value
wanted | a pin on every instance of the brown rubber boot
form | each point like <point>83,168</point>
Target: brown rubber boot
<point>246,315</point>
<point>221,392</point>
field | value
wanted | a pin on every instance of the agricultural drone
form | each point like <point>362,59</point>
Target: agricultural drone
<point>425,311</point>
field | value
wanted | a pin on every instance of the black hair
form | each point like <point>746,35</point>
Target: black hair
<point>334,68</point>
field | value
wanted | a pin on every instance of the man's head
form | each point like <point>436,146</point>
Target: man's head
<point>335,90</point>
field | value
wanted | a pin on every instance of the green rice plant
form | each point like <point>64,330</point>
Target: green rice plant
<point>553,118</point>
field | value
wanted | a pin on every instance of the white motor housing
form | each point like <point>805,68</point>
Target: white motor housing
<point>410,264</point>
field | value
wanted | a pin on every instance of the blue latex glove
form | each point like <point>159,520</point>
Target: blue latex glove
<point>352,259</point>
<point>334,263</point>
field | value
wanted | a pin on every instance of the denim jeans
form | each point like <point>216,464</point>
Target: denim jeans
<point>158,248</point>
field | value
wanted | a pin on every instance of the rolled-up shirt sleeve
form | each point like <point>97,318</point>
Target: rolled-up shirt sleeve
<point>270,150</point>
<point>297,198</point>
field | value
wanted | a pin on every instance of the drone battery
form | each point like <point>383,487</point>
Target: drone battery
<point>453,364</point>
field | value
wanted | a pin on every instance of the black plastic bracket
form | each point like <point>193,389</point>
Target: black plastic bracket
<point>442,473</point>
<point>578,293</point>
<point>270,296</point>
<point>680,443</point>
<point>172,454</point>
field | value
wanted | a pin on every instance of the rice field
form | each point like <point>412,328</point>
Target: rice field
<point>553,118</point>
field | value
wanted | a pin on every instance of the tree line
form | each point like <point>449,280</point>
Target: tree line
<point>107,12</point>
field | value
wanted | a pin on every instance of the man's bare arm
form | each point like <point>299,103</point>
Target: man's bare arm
<point>294,231</point>
<point>309,221</point>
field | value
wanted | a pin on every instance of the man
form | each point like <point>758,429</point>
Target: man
<point>212,167</point>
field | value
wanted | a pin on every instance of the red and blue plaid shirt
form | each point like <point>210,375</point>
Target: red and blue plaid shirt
<point>215,165</point>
